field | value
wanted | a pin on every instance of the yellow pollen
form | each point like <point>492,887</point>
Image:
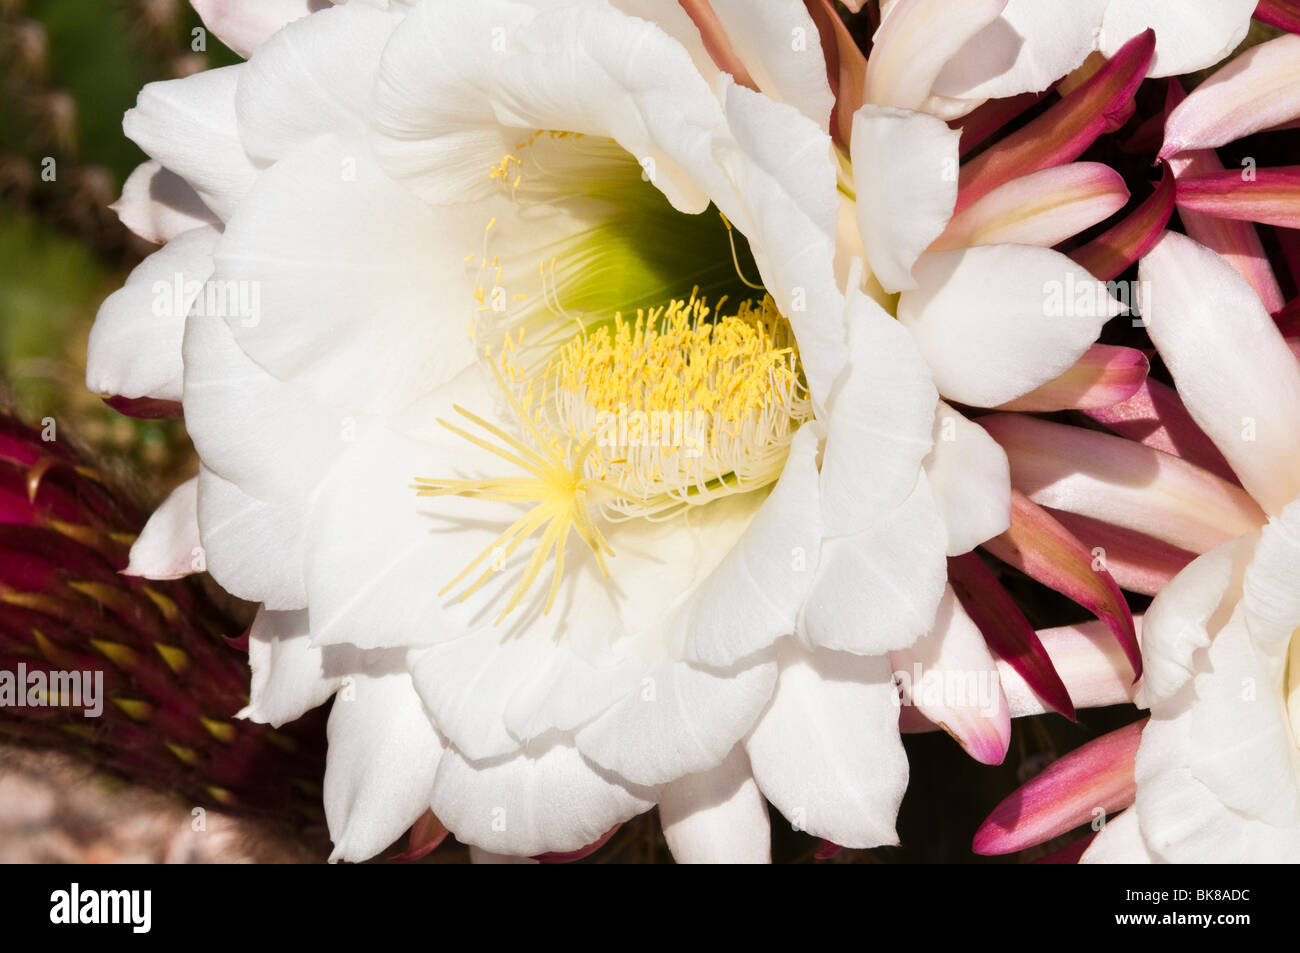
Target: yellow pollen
<point>673,360</point>
<point>676,407</point>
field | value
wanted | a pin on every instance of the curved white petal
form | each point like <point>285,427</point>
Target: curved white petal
<point>359,289</point>
<point>827,753</point>
<point>754,594</point>
<point>780,47</point>
<point>905,168</point>
<point>1270,592</point>
<point>951,678</point>
<point>684,718</point>
<point>1234,372</point>
<point>383,756</point>
<point>878,590</point>
<point>915,39</point>
<point>293,89</point>
<point>546,798</point>
<point>881,419</point>
<point>1189,36</point>
<point>289,677</point>
<point>467,683</point>
<point>168,546</point>
<point>244,25</point>
<point>782,197</point>
<point>135,344</point>
<point>252,548</point>
<point>1227,797</point>
<point>1119,842</point>
<point>444,121</point>
<point>1026,49</point>
<point>269,438</point>
<point>717,816</point>
<point>970,479</point>
<point>995,322</point>
<point>189,126</point>
<point>568,690</point>
<point>1243,748</point>
<point>1183,617</point>
<point>158,205</point>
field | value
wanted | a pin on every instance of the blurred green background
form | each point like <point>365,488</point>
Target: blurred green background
<point>69,69</point>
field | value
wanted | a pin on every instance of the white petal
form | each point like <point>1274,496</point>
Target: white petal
<point>289,676</point>
<point>995,322</point>
<point>754,594</point>
<point>547,798</point>
<point>168,546</point>
<point>1234,372</point>
<point>244,25</point>
<point>681,719</point>
<point>879,590</point>
<point>1243,748</point>
<point>881,417</point>
<point>467,683</point>
<point>1183,617</point>
<point>1119,842</point>
<point>1189,36</point>
<point>1026,49</point>
<point>717,816</point>
<point>951,678</point>
<point>1182,818</point>
<point>269,438</point>
<point>252,548</point>
<point>445,120</point>
<point>568,690</point>
<point>313,77</point>
<point>780,47</point>
<point>784,200</point>
<point>158,205</point>
<point>383,755</point>
<point>325,238</point>
<point>189,126</point>
<point>915,39</point>
<point>135,343</point>
<point>827,752</point>
<point>971,481</point>
<point>1270,593</point>
<point>905,172</point>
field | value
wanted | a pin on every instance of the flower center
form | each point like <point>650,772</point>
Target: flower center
<point>643,418</point>
<point>617,418</point>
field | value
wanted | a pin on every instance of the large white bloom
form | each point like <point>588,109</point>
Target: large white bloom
<point>406,380</point>
<point>1218,770</point>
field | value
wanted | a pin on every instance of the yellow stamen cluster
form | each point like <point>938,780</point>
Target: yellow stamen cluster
<point>633,418</point>
<point>684,403</point>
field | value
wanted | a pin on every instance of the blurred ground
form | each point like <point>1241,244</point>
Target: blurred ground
<point>54,809</point>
